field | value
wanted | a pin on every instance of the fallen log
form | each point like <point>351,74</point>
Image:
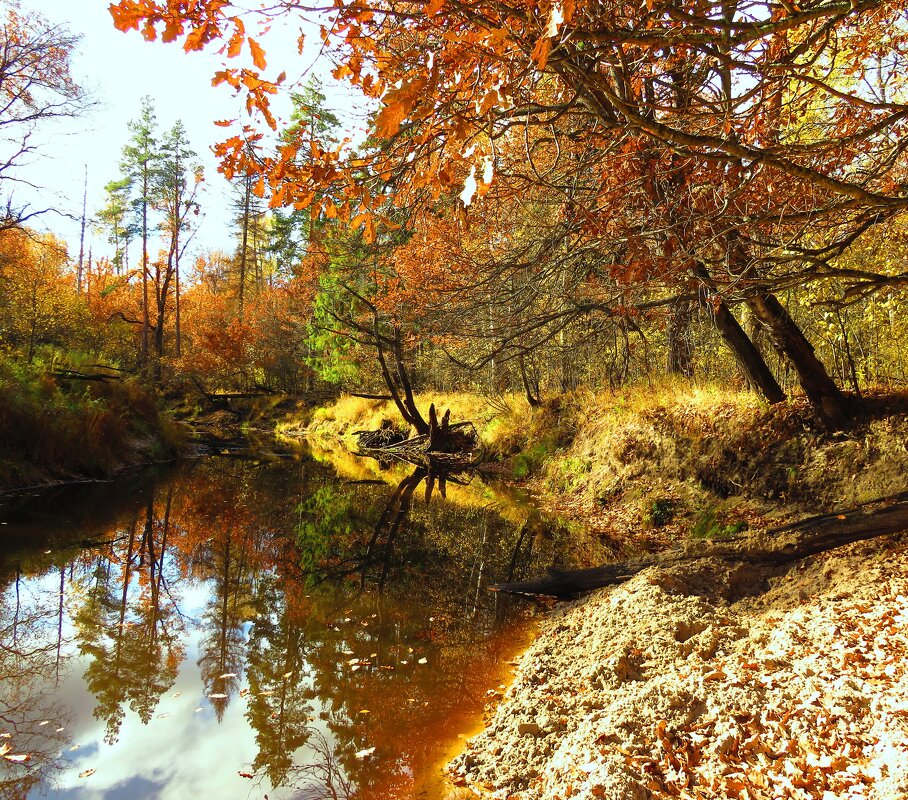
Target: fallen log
<point>74,375</point>
<point>784,545</point>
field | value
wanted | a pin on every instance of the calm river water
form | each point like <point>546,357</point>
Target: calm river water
<point>251,624</point>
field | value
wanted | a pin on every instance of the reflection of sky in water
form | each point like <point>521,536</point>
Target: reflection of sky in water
<point>404,672</point>
<point>185,754</point>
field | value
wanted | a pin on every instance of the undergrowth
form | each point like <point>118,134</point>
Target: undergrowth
<point>56,429</point>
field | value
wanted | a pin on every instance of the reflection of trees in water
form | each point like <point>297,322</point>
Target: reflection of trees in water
<point>129,624</point>
<point>32,657</point>
<point>245,531</point>
<point>277,666</point>
<point>222,648</point>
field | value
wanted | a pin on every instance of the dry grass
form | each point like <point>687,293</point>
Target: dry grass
<point>670,455</point>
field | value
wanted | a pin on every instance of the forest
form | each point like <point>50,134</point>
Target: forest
<point>559,209</point>
<point>627,284</point>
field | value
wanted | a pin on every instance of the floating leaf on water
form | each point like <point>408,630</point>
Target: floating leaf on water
<point>177,694</point>
<point>5,749</point>
<point>198,710</point>
<point>288,674</point>
<point>266,693</point>
<point>354,668</point>
<point>218,696</point>
<point>246,774</point>
<point>226,675</point>
<point>423,661</point>
<point>365,753</point>
<point>244,692</point>
<point>43,723</point>
<point>19,758</point>
<point>347,652</point>
<point>165,715</point>
<point>59,730</point>
<point>404,662</point>
<point>86,773</point>
<point>6,736</point>
<point>75,747</point>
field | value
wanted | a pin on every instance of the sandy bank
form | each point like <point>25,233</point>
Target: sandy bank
<point>662,688</point>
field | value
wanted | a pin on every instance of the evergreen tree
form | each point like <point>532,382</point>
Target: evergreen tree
<point>140,165</point>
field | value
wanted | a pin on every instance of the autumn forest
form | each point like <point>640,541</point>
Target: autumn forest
<point>623,281</point>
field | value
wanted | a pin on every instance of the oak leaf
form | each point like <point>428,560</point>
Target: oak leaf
<point>398,104</point>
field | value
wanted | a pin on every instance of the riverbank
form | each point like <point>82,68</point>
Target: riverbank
<point>667,461</point>
<point>699,681</point>
<point>55,429</point>
<point>662,688</point>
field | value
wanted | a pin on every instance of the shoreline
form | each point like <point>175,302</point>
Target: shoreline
<point>704,698</point>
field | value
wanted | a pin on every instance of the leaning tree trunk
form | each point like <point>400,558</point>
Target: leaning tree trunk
<point>749,358</point>
<point>785,334</point>
<point>398,384</point>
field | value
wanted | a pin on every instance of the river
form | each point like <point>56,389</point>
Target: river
<point>271,622</point>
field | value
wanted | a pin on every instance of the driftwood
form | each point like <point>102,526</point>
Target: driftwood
<point>445,446</point>
<point>796,541</point>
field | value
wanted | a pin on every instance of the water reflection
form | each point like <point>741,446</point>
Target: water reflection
<point>242,627</point>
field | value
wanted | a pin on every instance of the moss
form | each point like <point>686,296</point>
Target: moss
<point>708,526</point>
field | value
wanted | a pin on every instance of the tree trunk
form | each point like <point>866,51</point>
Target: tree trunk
<point>679,357</point>
<point>749,358</point>
<point>530,389</point>
<point>785,334</point>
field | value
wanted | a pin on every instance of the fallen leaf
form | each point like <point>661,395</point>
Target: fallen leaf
<point>19,758</point>
<point>86,773</point>
<point>246,774</point>
<point>218,696</point>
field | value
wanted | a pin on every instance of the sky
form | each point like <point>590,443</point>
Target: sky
<point>118,70</point>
